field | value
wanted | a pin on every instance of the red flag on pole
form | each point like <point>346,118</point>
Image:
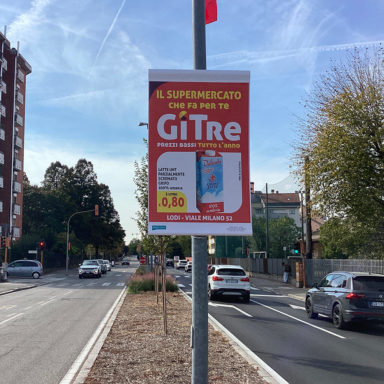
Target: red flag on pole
<point>210,11</point>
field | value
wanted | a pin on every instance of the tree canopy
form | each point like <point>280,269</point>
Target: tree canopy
<point>64,191</point>
<point>341,150</point>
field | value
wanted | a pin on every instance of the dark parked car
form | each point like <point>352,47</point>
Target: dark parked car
<point>25,268</point>
<point>347,297</point>
<point>169,263</point>
<point>125,261</point>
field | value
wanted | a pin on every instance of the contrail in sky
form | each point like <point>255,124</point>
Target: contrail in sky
<point>109,30</point>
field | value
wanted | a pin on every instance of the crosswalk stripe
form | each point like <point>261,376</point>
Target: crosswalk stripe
<point>106,284</point>
<point>120,284</point>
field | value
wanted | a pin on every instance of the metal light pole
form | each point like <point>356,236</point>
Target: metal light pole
<point>70,217</point>
<point>199,330</point>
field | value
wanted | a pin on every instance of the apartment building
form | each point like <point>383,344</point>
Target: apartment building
<point>13,74</point>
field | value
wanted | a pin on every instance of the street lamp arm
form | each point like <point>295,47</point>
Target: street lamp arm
<point>69,220</point>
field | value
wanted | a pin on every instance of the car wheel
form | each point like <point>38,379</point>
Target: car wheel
<point>337,317</point>
<point>211,295</point>
<point>35,275</point>
<point>309,309</point>
<point>80,276</point>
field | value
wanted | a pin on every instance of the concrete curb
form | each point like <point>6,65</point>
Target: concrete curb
<point>265,371</point>
<point>79,370</point>
<point>19,289</point>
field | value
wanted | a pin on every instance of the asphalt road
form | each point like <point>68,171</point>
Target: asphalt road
<point>301,350</point>
<point>44,329</point>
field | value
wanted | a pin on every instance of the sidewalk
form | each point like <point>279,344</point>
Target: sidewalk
<point>277,286</point>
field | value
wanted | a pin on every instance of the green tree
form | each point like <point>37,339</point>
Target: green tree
<point>342,149</point>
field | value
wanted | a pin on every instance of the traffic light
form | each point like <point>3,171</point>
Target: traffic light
<point>3,240</point>
<point>96,209</point>
<point>296,248</point>
<point>41,245</point>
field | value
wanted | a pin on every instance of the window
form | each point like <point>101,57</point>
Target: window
<point>1,206</point>
<point>326,282</point>
<point>368,283</point>
<point>1,158</point>
<point>17,209</point>
<point>230,272</point>
<point>211,271</point>
<point>2,134</point>
<point>339,281</point>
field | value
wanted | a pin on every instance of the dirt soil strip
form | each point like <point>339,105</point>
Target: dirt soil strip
<point>137,351</point>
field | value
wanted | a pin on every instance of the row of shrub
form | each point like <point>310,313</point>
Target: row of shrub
<point>144,282</point>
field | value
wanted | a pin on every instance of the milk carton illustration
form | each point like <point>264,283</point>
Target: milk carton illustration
<point>209,182</point>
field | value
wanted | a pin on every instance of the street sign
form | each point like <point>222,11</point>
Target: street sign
<point>198,146</point>
<point>32,251</point>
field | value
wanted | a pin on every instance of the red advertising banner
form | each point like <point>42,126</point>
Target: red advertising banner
<point>198,146</point>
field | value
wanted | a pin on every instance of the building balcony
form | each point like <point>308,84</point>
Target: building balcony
<point>17,209</point>
<point>1,182</point>
<point>3,87</point>
<point>1,206</point>
<point>18,164</point>
<point>4,63</point>
<point>20,76</point>
<point>2,110</point>
<point>19,142</point>
<point>2,134</point>
<point>19,97</point>
<point>17,186</point>
<point>19,119</point>
<point>16,232</point>
<point>1,158</point>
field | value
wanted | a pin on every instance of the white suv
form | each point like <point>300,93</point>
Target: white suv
<point>181,264</point>
<point>228,280</point>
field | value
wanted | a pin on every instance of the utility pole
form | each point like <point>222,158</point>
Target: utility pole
<point>96,210</point>
<point>267,223</point>
<point>199,330</point>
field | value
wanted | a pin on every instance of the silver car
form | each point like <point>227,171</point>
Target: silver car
<point>25,268</point>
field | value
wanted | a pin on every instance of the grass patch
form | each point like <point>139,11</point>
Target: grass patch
<point>146,282</point>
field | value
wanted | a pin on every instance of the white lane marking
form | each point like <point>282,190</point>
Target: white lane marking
<point>120,284</point>
<point>62,285</point>
<point>88,285</point>
<point>266,371</point>
<point>75,371</point>
<point>6,307</point>
<point>11,314</point>
<point>299,320</point>
<point>48,302</point>
<point>177,276</point>
<point>189,292</point>
<point>230,306</point>
<point>181,285</point>
<point>11,318</point>
<point>67,293</point>
<point>106,284</point>
<point>255,289</point>
<point>296,307</point>
<point>41,302</point>
<point>190,285</point>
<point>272,296</point>
<point>29,307</point>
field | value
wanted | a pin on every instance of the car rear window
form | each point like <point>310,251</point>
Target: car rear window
<point>230,272</point>
<point>368,283</point>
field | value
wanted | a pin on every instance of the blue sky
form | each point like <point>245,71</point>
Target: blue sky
<point>88,87</point>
